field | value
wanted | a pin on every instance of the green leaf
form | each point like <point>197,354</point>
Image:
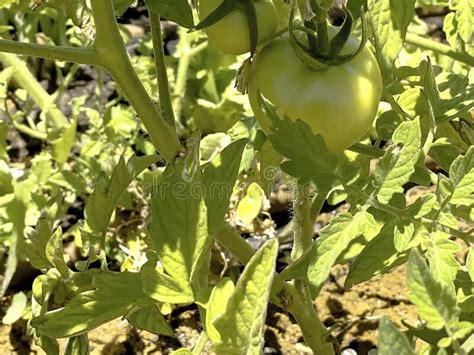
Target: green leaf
<point>177,11</point>
<point>251,204</point>
<point>308,156</point>
<point>392,340</point>
<point>55,252</point>
<point>77,346</point>
<point>441,256</point>
<point>75,11</point>
<point>3,140</point>
<point>333,240</point>
<point>398,164</point>
<point>355,5</point>
<point>470,264</point>
<point>120,6</point>
<point>108,191</point>
<point>218,301</point>
<point>15,311</point>
<point>178,224</point>
<point>390,20</point>
<point>150,319</point>
<point>402,234</point>
<point>163,288</point>
<point>465,19</point>
<point>241,326</point>
<point>116,294</point>
<point>63,145</point>
<point>219,178</point>
<point>379,256</point>
<point>37,242</point>
<point>7,3</point>
<point>436,304</point>
<point>461,174</point>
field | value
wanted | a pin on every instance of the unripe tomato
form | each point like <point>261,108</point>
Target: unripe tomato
<point>339,103</point>
<point>231,34</point>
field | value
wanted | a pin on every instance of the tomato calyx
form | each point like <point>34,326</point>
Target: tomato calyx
<point>322,53</point>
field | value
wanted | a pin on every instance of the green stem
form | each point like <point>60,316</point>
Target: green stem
<point>323,47</point>
<point>201,343</point>
<point>28,82</point>
<point>439,48</point>
<point>317,205</point>
<point>30,131</point>
<point>65,54</point>
<point>314,331</point>
<point>166,106</point>
<point>232,241</point>
<point>303,227</point>
<point>182,74</point>
<point>114,57</point>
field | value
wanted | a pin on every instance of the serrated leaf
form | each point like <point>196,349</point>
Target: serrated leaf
<point>307,154</point>
<point>115,295</point>
<point>465,19</point>
<point>378,257</point>
<point>218,301</point>
<point>150,319</point>
<point>219,178</point>
<point>241,326</point>
<point>251,204</point>
<point>163,288</point>
<point>461,174</point>
<point>392,340</point>
<point>423,206</point>
<point>398,164</point>
<point>62,146</point>
<point>177,11</point>
<point>55,252</point>
<point>402,234</point>
<point>390,20</point>
<point>108,191</point>
<point>436,304</point>
<point>333,240</point>
<point>178,224</point>
<point>441,256</point>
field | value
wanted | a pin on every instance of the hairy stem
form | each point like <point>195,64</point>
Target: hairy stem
<point>303,226</point>
<point>314,331</point>
<point>166,106</point>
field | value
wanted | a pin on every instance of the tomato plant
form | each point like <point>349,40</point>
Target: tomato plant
<point>339,103</point>
<point>135,179</point>
<point>231,33</point>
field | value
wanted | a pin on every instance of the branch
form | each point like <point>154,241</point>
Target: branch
<point>64,54</point>
<point>439,48</point>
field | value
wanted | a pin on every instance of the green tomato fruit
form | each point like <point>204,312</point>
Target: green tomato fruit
<point>231,34</point>
<point>339,103</point>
